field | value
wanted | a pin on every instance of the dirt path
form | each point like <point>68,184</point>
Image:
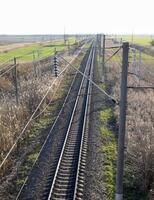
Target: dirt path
<point>10,47</point>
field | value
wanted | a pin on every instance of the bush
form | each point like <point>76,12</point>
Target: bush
<point>5,85</point>
<point>152,43</point>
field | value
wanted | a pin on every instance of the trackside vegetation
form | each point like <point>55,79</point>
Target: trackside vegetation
<point>109,147</point>
<point>109,150</point>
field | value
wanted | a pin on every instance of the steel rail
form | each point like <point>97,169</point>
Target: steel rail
<point>69,127</point>
<point>83,146</point>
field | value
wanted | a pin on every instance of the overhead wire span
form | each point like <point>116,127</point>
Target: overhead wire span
<point>140,77</point>
<point>5,67</point>
<point>112,55</point>
<point>31,118</point>
<point>108,54</point>
<point>103,91</point>
<point>7,71</point>
<point>47,104</point>
<point>3,63</point>
<point>51,99</point>
<point>113,47</point>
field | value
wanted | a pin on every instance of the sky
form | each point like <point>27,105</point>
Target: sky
<point>76,16</point>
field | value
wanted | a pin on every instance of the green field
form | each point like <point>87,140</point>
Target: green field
<point>144,57</point>
<point>35,51</point>
<point>138,39</point>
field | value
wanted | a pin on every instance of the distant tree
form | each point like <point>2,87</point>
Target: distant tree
<point>152,43</point>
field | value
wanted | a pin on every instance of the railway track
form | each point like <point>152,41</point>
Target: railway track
<point>68,181</point>
<point>67,146</point>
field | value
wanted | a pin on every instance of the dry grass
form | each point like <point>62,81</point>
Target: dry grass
<point>5,85</point>
<point>139,168</point>
<point>33,82</point>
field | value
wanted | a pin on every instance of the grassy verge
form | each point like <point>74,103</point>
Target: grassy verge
<point>109,150</point>
<point>109,142</point>
<point>109,147</point>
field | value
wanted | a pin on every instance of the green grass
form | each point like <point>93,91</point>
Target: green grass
<point>109,144</point>
<point>109,150</point>
<point>138,39</point>
<point>35,51</point>
<point>106,115</point>
<point>145,57</point>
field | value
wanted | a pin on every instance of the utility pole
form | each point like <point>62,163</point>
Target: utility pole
<point>140,58</point>
<point>134,58</point>
<point>122,123</point>
<point>135,67</point>
<point>33,55</point>
<point>68,46</point>
<point>103,60</point>
<point>139,65</point>
<point>132,37</point>
<point>64,37</point>
<point>38,53</point>
<point>100,43</point>
<point>16,81</point>
<point>98,48</point>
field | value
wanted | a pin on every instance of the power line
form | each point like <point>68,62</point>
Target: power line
<point>1,64</point>
<point>118,56</point>
<point>47,104</point>
<point>103,91</point>
<point>5,67</point>
<point>31,118</point>
<point>140,77</point>
<point>113,47</point>
<point>7,71</point>
<point>112,55</point>
<point>46,138</point>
